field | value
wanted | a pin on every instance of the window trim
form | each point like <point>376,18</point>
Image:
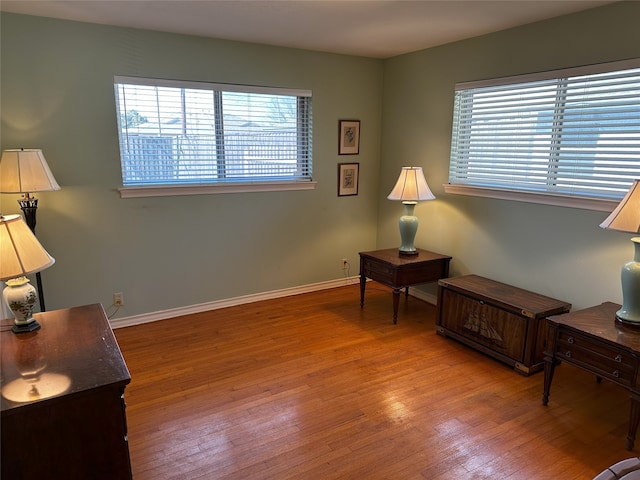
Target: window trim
<point>553,74</point>
<point>585,203</point>
<point>545,198</point>
<point>212,188</point>
<point>229,87</point>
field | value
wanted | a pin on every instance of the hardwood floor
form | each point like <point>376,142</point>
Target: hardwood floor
<point>314,387</point>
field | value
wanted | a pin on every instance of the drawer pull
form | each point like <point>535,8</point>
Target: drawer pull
<point>616,373</point>
<point>568,354</point>
<point>618,358</point>
<point>570,340</point>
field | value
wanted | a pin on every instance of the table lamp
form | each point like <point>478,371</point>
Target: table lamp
<point>25,170</point>
<point>626,218</point>
<point>20,254</point>
<point>410,188</point>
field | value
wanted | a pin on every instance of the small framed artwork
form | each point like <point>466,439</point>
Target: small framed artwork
<point>348,179</point>
<point>349,137</point>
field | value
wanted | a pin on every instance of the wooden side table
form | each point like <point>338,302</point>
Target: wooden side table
<point>399,272</point>
<point>592,340</point>
<point>62,398</point>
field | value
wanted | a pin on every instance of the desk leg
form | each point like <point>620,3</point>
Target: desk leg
<point>549,369</point>
<point>634,419</point>
<point>396,302</point>
<point>363,282</point>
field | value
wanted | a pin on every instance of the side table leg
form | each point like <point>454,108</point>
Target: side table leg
<point>396,302</point>
<point>634,419</point>
<point>549,369</point>
<point>363,282</point>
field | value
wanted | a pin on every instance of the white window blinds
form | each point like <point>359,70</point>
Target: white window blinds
<point>572,132</point>
<point>182,133</point>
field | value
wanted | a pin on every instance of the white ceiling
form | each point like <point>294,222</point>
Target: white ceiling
<point>370,28</point>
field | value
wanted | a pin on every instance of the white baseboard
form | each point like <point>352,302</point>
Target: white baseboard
<point>230,302</point>
<point>427,297</point>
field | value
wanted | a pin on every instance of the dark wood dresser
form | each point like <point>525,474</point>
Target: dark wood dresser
<point>63,412</point>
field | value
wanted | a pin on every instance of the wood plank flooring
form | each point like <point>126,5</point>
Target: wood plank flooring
<point>314,387</point>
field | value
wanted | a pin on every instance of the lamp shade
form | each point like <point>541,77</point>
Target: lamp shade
<point>25,170</point>
<point>626,216</point>
<point>20,251</point>
<point>411,186</point>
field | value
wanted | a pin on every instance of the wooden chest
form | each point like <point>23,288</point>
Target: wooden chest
<point>505,322</point>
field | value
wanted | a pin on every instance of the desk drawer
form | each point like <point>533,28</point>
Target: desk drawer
<point>617,365</point>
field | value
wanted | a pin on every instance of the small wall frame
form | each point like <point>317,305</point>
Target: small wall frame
<point>349,137</point>
<point>348,176</point>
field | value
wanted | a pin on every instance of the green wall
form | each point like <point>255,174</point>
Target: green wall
<point>173,252</point>
<point>555,251</point>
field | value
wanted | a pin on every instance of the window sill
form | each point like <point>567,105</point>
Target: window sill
<point>584,203</point>
<point>176,190</point>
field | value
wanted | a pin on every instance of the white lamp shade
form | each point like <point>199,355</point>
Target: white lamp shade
<point>626,216</point>
<point>411,186</point>
<point>20,251</point>
<point>25,170</point>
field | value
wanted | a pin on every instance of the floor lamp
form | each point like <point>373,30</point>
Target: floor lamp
<point>24,171</point>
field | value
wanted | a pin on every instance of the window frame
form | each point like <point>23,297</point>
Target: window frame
<point>243,184</point>
<point>530,196</point>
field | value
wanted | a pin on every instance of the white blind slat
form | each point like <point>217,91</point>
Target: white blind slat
<point>181,132</point>
<point>575,131</point>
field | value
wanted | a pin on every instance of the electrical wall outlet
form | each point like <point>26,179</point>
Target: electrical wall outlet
<point>118,299</point>
<point>345,264</point>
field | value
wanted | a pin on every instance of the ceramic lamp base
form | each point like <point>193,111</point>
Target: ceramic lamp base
<point>26,327</point>
<point>21,297</point>
<point>629,313</point>
<point>408,227</point>
<point>627,323</point>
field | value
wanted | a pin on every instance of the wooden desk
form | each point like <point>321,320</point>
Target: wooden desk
<point>62,399</point>
<point>401,271</point>
<point>592,340</point>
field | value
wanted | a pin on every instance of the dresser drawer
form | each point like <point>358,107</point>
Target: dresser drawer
<point>617,365</point>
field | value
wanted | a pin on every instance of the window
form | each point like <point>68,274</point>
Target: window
<point>570,133</point>
<point>190,134</point>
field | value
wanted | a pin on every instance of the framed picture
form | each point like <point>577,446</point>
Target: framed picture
<point>348,179</point>
<point>349,137</point>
